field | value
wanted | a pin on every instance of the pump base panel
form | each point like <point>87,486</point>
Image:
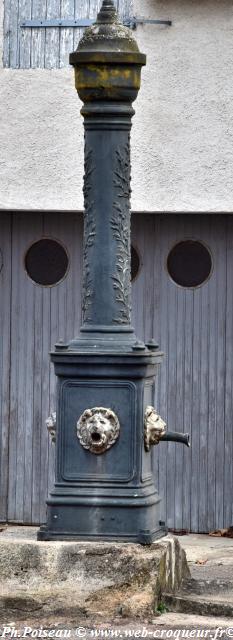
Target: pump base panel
<point>110,495</point>
<point>128,523</point>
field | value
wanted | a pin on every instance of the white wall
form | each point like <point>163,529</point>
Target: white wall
<point>182,138</point>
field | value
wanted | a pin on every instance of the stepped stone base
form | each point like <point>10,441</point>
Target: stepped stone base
<point>87,579</point>
<point>209,591</point>
<point>209,606</point>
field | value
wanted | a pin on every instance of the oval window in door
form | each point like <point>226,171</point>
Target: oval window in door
<point>46,262</point>
<point>135,263</point>
<point>189,263</point>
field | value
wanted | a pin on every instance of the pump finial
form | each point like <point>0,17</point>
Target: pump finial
<point>108,13</point>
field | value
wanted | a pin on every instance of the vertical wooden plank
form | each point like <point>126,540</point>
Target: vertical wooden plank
<point>52,36</point>
<point>196,390</point>
<point>200,392</point>
<point>160,333</point>
<point>13,427</point>
<point>47,448</point>
<point>138,284</point>
<point>143,286</point>
<point>13,387</point>
<point>172,308</point>
<point>184,365</point>
<point>179,418</point>
<point>228,444</point>
<point>28,311</point>
<point>14,18</point>
<point>47,453</point>
<point>7,33</point>
<point>148,278</point>
<point>125,8</point>
<point>81,10</point>
<point>212,420</point>
<point>5,310</point>
<point>74,283</point>
<point>220,257</point>
<point>25,35</point>
<point>187,408</point>
<point>38,11</point>
<point>204,389</point>
<point>67,35</point>
<point>156,333</point>
<point>38,417</point>
<point>94,8</point>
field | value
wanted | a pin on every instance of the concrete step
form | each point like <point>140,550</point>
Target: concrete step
<point>172,620</point>
<point>203,605</point>
<point>209,590</point>
<point>207,587</point>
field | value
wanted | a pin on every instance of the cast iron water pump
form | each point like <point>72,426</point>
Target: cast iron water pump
<point>106,424</point>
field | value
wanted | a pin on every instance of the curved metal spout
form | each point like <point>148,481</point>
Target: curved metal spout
<point>174,436</point>
<point>155,430</point>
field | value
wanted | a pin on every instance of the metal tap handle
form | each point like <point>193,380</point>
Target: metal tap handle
<point>174,436</point>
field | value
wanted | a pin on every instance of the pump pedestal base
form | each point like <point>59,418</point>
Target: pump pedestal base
<point>109,495</point>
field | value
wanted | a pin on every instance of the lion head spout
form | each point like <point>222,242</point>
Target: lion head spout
<point>98,429</point>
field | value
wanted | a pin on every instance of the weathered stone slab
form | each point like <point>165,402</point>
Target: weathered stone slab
<point>88,578</point>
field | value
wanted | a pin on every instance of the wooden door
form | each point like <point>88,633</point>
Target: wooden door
<point>40,316</point>
<point>194,327</point>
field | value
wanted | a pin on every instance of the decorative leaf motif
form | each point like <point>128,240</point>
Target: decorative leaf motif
<point>89,234</point>
<point>120,224</point>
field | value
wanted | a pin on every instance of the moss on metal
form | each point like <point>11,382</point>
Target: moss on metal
<point>106,77</point>
<point>107,58</point>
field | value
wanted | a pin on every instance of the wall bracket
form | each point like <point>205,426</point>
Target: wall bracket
<point>84,22</point>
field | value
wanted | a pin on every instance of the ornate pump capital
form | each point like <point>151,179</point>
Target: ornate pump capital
<point>107,61</point>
